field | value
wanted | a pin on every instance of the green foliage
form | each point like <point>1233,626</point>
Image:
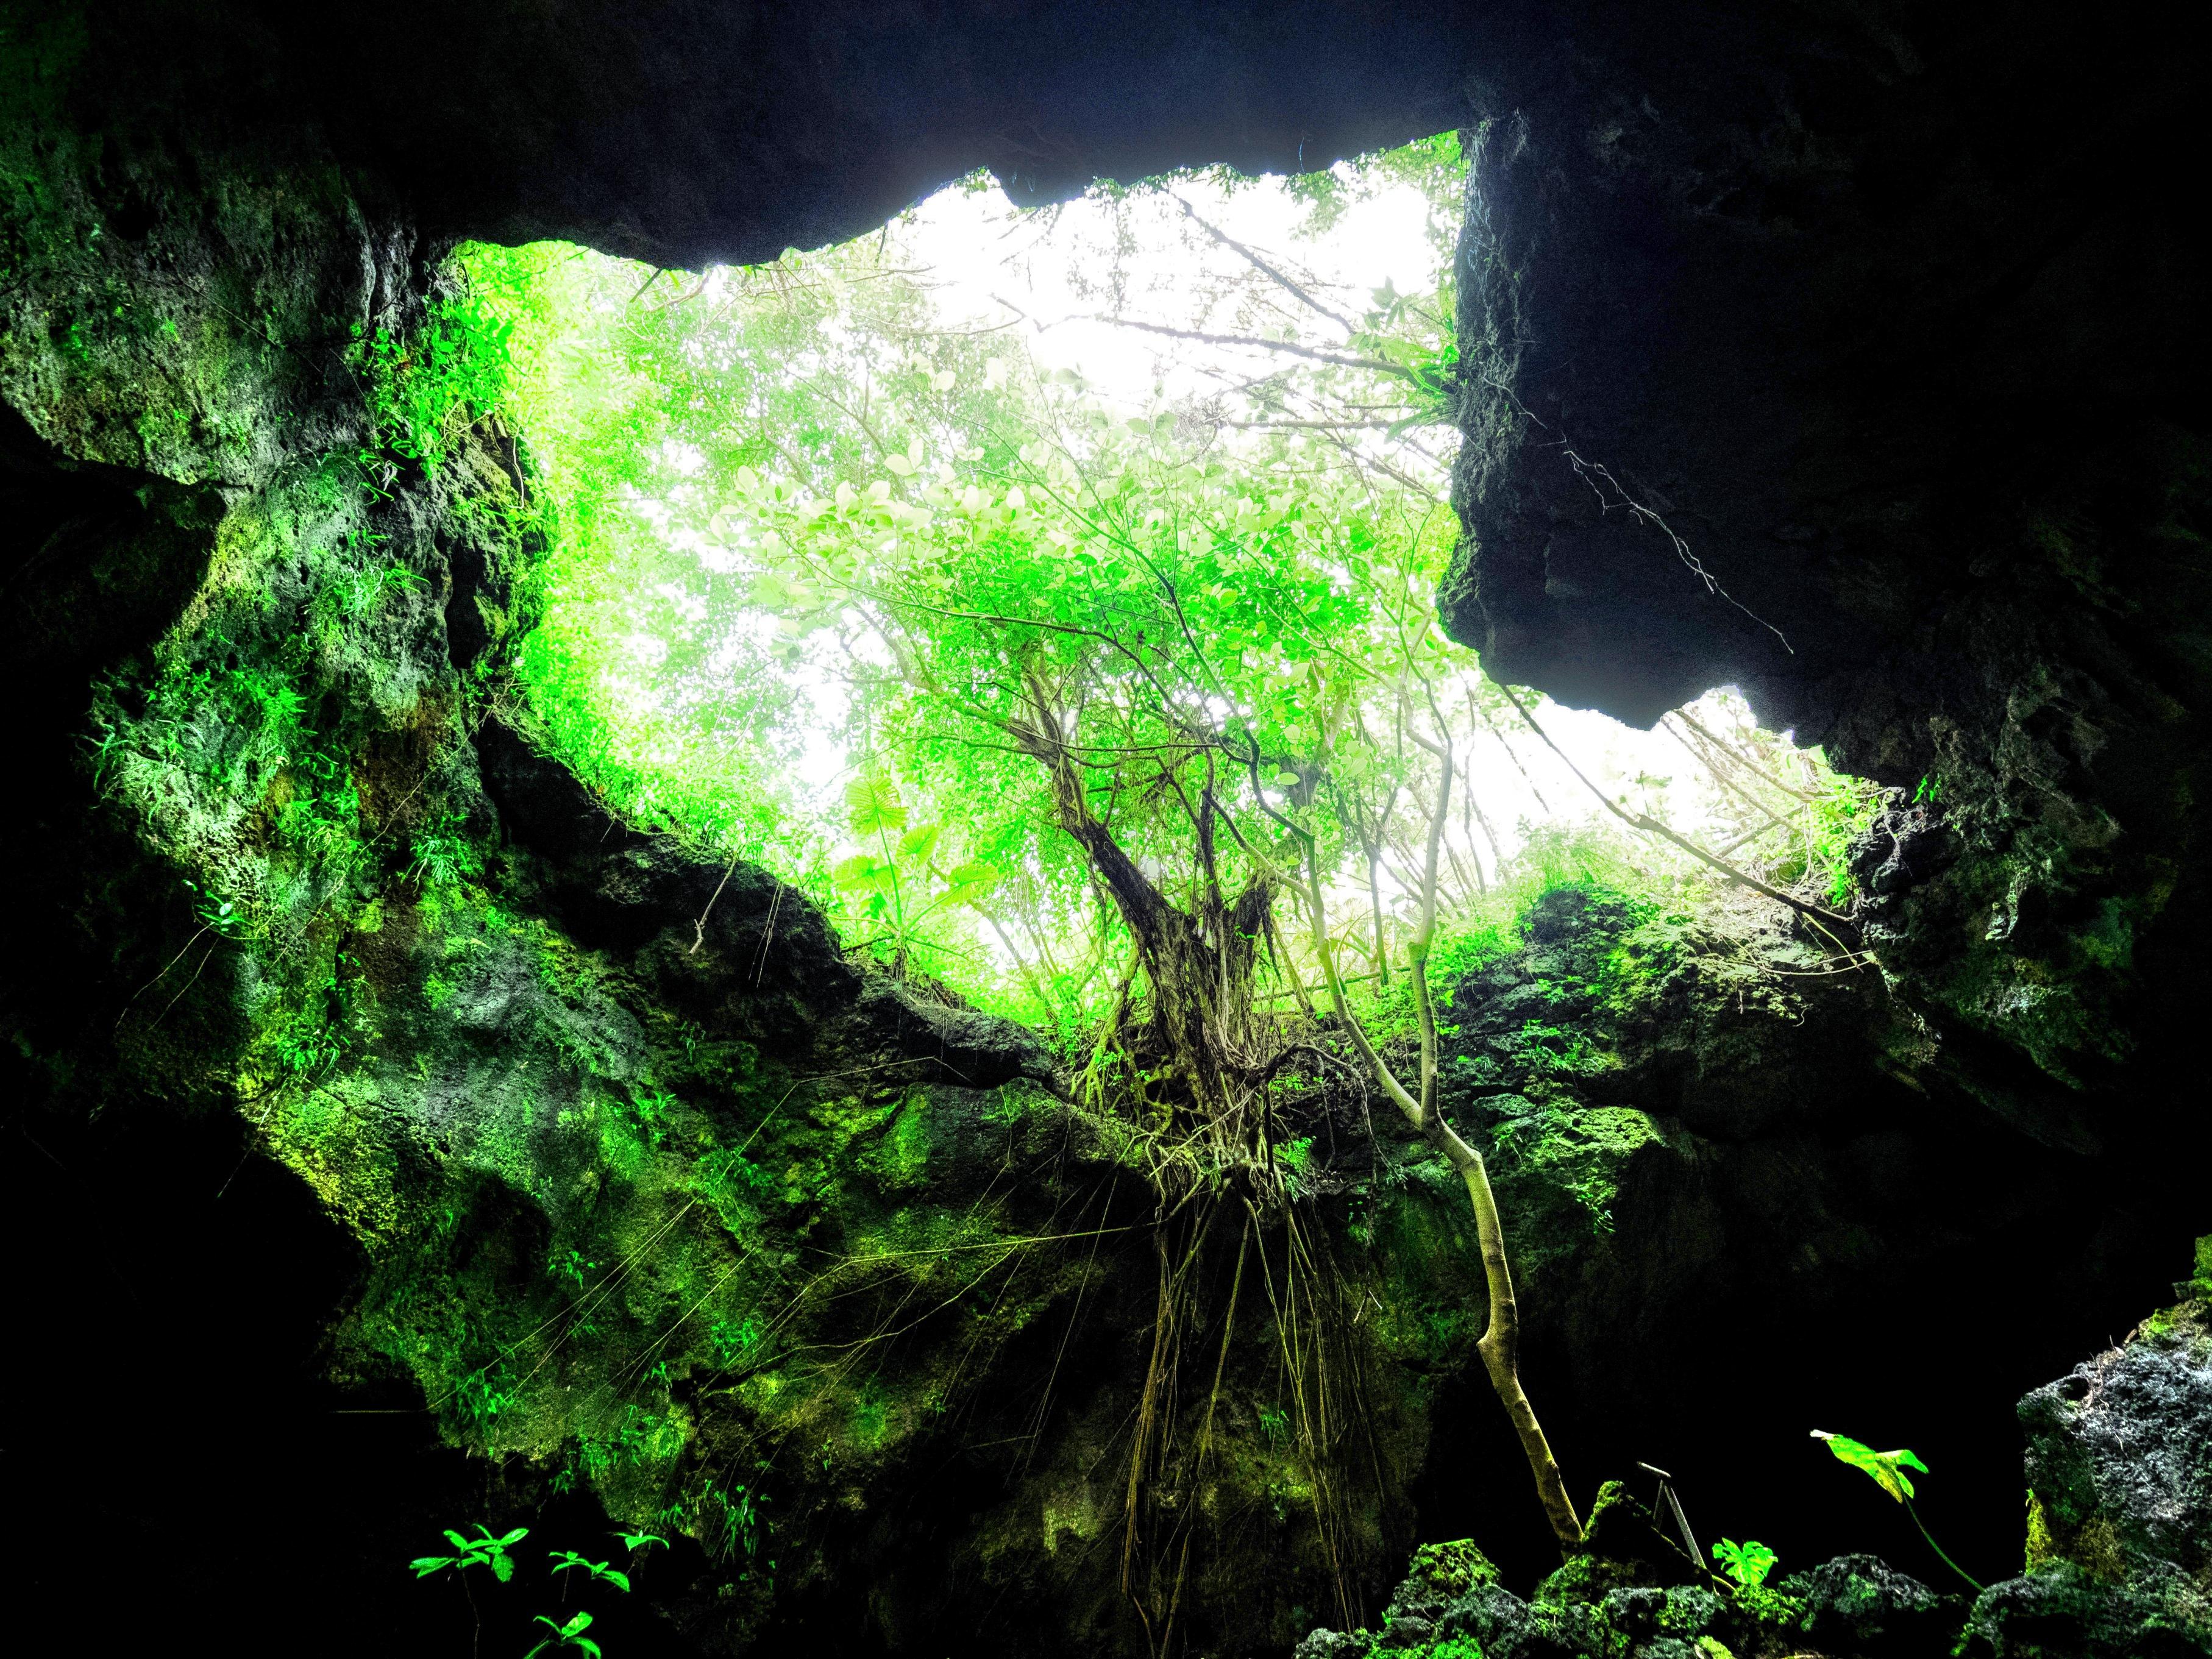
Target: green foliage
<point>1747,1563</point>
<point>567,1634</point>
<point>1842,809</point>
<point>483,1393</point>
<point>1886,1470</point>
<point>424,387</point>
<point>898,881</point>
<point>635,1541</point>
<point>736,1340</point>
<point>832,577</point>
<point>443,854</point>
<point>744,1528</point>
<point>484,1549</point>
<point>599,1572</point>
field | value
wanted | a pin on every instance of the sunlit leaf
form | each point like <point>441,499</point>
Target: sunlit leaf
<point>969,883</point>
<point>1887,1469</point>
<point>872,807</point>
<point>862,873</point>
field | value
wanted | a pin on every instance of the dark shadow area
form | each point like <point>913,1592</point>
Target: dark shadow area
<point>1934,1357</point>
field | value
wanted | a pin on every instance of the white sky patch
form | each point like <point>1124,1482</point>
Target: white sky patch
<point>993,264</point>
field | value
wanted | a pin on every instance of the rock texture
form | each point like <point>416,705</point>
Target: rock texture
<point>1820,355</point>
<point>2119,1483</point>
<point>400,1142</point>
<point>1715,1153</point>
<point>1646,1601</point>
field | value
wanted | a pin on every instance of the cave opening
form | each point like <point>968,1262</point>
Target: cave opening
<point>579,958</point>
<point>752,481</point>
<point>1237,392</point>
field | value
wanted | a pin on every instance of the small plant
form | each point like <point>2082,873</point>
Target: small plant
<point>569,1561</point>
<point>1887,1470</point>
<point>443,856</point>
<point>426,386</point>
<point>484,1551</point>
<point>484,1396</point>
<point>570,1635</point>
<point>735,1340</point>
<point>1747,1562</point>
<point>899,884</point>
<point>635,1541</point>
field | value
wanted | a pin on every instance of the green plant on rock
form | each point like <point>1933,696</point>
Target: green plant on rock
<point>483,1393</point>
<point>1887,1470</point>
<point>1747,1563</point>
<point>425,388</point>
<point>443,855</point>
<point>896,879</point>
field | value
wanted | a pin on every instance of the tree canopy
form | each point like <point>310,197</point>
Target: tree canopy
<point>990,656</point>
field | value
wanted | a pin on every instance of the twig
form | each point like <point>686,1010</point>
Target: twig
<point>1651,826</point>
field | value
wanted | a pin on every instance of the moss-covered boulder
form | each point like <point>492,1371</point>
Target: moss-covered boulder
<point>2120,1500</point>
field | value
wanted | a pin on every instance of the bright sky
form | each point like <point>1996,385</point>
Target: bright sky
<point>999,264</point>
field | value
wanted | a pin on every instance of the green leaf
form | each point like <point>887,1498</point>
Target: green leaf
<point>872,807</point>
<point>862,873</point>
<point>899,466</point>
<point>967,884</point>
<point>619,1579</point>
<point>638,1540</point>
<point>424,1565</point>
<point>514,1537</point>
<point>1887,1469</point>
<point>919,843</point>
<point>1748,1563</point>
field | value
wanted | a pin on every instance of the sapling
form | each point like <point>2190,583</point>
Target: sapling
<point>1499,1345</point>
<point>569,1561</point>
<point>1748,1563</point>
<point>483,1551</point>
<point>1887,1470</point>
<point>570,1635</point>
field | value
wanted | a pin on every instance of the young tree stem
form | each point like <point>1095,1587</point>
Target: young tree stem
<point>1500,1344</point>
